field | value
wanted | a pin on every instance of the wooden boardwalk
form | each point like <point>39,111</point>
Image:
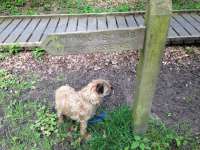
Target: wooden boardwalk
<point>31,30</point>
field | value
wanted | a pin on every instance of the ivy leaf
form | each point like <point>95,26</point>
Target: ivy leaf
<point>142,146</point>
<point>134,145</point>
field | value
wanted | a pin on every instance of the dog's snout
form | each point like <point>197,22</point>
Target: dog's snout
<point>111,88</point>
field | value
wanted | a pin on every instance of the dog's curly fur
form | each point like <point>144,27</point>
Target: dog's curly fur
<point>81,105</point>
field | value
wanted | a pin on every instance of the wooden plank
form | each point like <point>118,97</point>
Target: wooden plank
<point>28,31</point>
<point>62,25</point>
<point>99,41</point>
<point>82,24</point>
<point>50,27</point>
<point>139,19</point>
<point>172,33</point>
<point>4,24</point>
<point>131,21</point>
<point>20,28</point>
<point>192,31</point>
<point>192,21</point>
<point>196,17</point>
<point>92,24</point>
<point>121,21</point>
<point>179,29</point>
<point>112,24</point>
<point>102,25</point>
<point>72,24</point>
<point>8,30</point>
<point>37,33</point>
<point>1,20</point>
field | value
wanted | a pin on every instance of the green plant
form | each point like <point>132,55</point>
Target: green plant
<point>38,53</point>
<point>139,143</point>
<point>123,8</point>
<point>189,50</point>
<point>6,80</point>
<point>46,122</point>
<point>3,55</point>
<point>47,7</point>
<point>12,49</point>
<point>37,3</point>
<point>20,2</point>
<point>87,9</point>
<point>186,4</point>
<point>8,51</point>
<point>30,11</point>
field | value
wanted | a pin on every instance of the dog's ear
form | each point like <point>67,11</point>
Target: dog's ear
<point>100,88</point>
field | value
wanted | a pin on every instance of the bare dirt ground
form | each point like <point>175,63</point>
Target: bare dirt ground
<point>177,98</point>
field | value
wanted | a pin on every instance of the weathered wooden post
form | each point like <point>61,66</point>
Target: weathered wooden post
<point>157,23</point>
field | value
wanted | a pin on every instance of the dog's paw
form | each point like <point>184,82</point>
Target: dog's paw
<point>87,136</point>
<point>60,121</point>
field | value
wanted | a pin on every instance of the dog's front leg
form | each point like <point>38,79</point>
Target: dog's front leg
<point>83,126</point>
<point>83,129</point>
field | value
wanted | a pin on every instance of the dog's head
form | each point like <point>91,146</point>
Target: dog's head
<point>102,87</point>
<point>96,90</point>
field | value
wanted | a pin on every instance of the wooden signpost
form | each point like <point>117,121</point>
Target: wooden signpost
<point>96,41</point>
<point>157,24</point>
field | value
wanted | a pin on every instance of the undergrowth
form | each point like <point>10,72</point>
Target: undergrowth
<point>17,7</point>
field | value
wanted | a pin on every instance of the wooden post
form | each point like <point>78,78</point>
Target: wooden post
<point>157,24</point>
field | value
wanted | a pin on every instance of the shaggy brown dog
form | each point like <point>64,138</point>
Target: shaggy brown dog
<point>81,105</point>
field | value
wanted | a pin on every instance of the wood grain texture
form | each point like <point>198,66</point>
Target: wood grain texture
<point>101,23</point>
<point>4,24</point>
<point>72,24</point>
<point>172,33</point>
<point>18,30</point>
<point>121,22</point>
<point>179,29</point>
<point>139,19</point>
<point>82,24</point>
<point>51,27</point>
<point>131,21</point>
<point>28,31</point>
<point>38,32</point>
<point>186,25</point>
<point>196,17</point>
<point>112,23</point>
<point>92,24</point>
<point>62,25</point>
<point>192,21</point>
<point>8,30</point>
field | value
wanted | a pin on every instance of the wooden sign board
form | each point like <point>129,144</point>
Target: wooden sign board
<point>99,41</point>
